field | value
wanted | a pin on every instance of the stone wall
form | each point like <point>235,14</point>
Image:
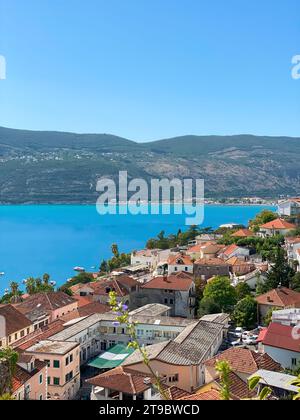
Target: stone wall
<point>4,376</point>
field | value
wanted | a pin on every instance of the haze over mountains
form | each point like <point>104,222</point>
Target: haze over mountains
<point>55,167</point>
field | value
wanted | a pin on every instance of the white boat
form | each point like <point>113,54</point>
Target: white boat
<point>79,269</point>
<point>2,273</point>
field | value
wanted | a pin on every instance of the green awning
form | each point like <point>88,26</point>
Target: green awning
<point>113,358</point>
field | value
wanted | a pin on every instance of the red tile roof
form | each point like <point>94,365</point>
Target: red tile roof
<point>21,376</point>
<point>238,388</point>
<point>212,395</point>
<point>281,297</point>
<point>179,281</point>
<point>245,361</point>
<point>243,233</point>
<point>180,259</point>
<point>45,302</point>
<point>83,300</point>
<point>122,379</point>
<point>87,310</point>
<point>281,336</point>
<point>40,335</point>
<point>278,224</point>
<point>229,250</point>
<point>15,320</point>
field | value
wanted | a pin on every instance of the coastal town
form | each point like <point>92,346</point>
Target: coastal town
<point>202,314</point>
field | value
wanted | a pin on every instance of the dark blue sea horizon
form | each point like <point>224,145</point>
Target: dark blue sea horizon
<point>38,239</point>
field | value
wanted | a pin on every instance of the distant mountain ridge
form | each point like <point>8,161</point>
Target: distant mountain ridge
<point>58,167</point>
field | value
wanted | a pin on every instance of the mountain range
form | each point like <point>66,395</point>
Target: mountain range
<point>56,167</point>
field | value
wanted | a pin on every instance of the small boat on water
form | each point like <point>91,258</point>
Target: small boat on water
<point>53,283</point>
<point>79,269</point>
<point>2,273</point>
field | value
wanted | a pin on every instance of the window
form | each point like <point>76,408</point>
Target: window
<point>28,330</point>
<point>16,336</point>
<point>56,364</point>
<point>22,333</point>
<point>56,381</point>
<point>69,376</point>
<point>41,398</point>
<point>166,301</point>
<point>47,362</point>
<point>71,358</point>
<point>49,380</point>
<point>41,379</point>
<point>67,361</point>
<point>171,301</point>
<point>294,362</point>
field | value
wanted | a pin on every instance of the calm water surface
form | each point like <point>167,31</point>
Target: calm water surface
<point>54,239</point>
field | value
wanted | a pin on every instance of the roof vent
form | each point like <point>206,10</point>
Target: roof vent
<point>147,381</point>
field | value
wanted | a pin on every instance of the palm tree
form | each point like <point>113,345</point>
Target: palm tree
<point>46,279</point>
<point>30,286</point>
<point>15,293</point>
<point>115,250</point>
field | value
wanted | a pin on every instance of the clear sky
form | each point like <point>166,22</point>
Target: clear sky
<point>150,69</point>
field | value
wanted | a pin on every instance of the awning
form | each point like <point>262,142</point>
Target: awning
<point>113,358</point>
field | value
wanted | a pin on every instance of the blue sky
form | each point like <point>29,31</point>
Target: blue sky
<point>149,69</point>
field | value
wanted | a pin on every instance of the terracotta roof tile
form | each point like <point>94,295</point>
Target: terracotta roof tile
<point>281,336</point>
<point>245,361</point>
<point>212,395</point>
<point>278,224</point>
<point>122,379</point>
<point>179,281</point>
<point>243,233</point>
<point>211,262</point>
<point>180,259</point>
<point>281,297</point>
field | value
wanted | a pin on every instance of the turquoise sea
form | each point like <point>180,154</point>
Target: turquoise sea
<point>54,239</point>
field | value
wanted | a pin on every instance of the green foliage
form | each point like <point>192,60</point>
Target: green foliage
<point>38,285</point>
<point>11,357</point>
<point>254,382</point>
<point>281,273</point>
<point>262,218</point>
<point>208,306</point>
<point>221,293</point>
<point>268,318</point>
<point>181,238</point>
<point>224,370</point>
<point>242,290</point>
<point>295,284</point>
<point>245,313</point>
<point>296,383</point>
<point>81,278</point>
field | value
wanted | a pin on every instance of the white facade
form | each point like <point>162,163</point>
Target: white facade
<point>289,208</point>
<point>287,358</point>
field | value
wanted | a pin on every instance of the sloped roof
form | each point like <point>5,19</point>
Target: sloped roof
<point>44,303</point>
<point>279,224</point>
<point>14,319</point>
<point>122,379</point>
<point>229,250</point>
<point>281,297</point>
<point>180,259</point>
<point>21,376</point>
<point>212,395</point>
<point>243,233</point>
<point>281,336</point>
<point>211,262</point>
<point>245,361</point>
<point>238,388</point>
<point>179,281</point>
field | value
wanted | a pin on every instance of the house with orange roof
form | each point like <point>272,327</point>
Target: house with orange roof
<point>180,263</point>
<point>281,298</point>
<point>282,343</point>
<point>290,207</point>
<point>177,291</point>
<point>243,363</point>
<point>276,227</point>
<point>234,251</point>
<point>243,233</point>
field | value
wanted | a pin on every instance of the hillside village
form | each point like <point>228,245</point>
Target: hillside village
<point>195,299</point>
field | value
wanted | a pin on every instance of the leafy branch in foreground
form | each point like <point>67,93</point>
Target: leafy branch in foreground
<point>224,370</point>
<point>296,383</point>
<point>264,393</point>
<point>123,318</point>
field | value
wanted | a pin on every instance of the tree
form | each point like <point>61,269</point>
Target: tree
<point>296,282</point>
<point>38,285</point>
<point>221,293</point>
<point>104,267</point>
<point>208,306</point>
<point>15,296</point>
<point>262,218</point>
<point>115,250</point>
<point>224,370</point>
<point>245,313</point>
<point>243,290</point>
<point>281,273</point>
<point>11,357</point>
<point>268,318</point>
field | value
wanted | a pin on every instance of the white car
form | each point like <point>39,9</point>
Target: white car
<point>250,341</point>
